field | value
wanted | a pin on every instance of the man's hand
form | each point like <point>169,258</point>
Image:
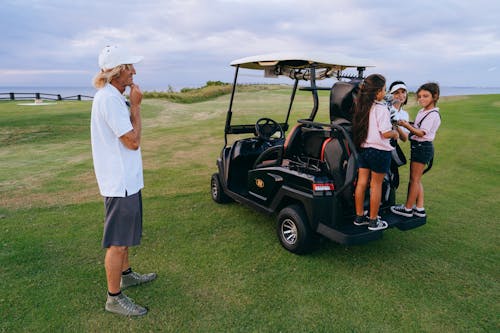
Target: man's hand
<point>135,95</point>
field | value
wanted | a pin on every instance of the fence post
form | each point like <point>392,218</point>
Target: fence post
<point>37,95</point>
<point>79,97</point>
<point>12,96</point>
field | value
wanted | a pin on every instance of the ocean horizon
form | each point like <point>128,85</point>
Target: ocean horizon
<point>90,91</point>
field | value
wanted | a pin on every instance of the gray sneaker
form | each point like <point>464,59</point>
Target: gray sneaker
<point>134,279</point>
<point>123,305</point>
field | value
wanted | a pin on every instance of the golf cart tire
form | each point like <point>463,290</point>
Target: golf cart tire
<point>293,230</point>
<point>217,191</point>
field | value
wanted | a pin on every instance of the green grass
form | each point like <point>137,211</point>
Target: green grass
<point>220,267</point>
<point>211,90</point>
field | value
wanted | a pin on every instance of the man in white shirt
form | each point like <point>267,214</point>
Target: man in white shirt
<point>116,136</point>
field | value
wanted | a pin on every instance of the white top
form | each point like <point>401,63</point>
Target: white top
<point>379,122</point>
<point>430,124</point>
<point>117,168</point>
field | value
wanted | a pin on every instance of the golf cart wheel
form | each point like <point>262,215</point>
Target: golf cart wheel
<point>294,232</point>
<point>217,191</point>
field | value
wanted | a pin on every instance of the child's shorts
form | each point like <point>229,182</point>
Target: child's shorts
<point>376,160</point>
<point>422,152</point>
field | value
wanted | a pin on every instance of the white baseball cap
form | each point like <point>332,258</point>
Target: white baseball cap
<point>112,56</point>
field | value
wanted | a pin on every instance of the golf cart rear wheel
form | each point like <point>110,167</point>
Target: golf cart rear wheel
<point>217,191</point>
<point>294,232</point>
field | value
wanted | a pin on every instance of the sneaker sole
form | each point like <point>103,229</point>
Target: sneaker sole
<point>124,314</point>
<point>377,228</point>
<point>419,214</point>
<point>360,224</point>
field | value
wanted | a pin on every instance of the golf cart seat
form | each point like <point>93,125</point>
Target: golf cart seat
<point>341,164</point>
<point>340,161</point>
<point>274,156</point>
<point>342,98</point>
<point>302,141</point>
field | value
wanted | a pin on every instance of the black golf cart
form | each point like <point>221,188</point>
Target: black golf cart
<point>307,178</point>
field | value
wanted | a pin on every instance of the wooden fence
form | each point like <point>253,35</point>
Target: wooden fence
<point>11,96</point>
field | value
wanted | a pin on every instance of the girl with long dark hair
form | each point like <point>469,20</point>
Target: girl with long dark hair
<point>372,131</point>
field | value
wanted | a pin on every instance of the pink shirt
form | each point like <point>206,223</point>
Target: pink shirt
<point>379,122</point>
<point>430,124</point>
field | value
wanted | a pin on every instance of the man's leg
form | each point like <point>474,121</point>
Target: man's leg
<point>117,302</point>
<point>125,263</point>
<point>113,263</point>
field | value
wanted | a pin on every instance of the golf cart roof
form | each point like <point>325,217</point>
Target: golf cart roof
<point>300,60</point>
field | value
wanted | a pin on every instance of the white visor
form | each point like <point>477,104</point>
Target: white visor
<point>398,86</point>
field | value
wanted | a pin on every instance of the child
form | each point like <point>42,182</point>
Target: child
<point>399,91</point>
<point>372,131</point>
<point>422,133</point>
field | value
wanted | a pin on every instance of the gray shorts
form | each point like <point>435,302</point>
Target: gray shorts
<point>123,221</point>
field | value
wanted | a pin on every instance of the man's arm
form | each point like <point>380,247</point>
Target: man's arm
<point>132,139</point>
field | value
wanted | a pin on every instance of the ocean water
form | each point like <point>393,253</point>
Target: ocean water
<point>457,91</point>
<point>90,91</point>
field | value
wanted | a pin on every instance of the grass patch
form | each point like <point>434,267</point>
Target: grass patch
<point>221,268</point>
<point>211,90</point>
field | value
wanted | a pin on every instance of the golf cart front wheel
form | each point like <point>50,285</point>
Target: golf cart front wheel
<point>294,232</point>
<point>217,191</point>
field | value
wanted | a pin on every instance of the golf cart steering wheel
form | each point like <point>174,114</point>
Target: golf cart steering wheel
<point>266,127</point>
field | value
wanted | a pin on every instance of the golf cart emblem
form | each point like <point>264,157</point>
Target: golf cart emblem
<point>259,182</point>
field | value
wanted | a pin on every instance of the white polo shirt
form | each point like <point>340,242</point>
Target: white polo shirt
<point>117,168</point>
<point>379,122</point>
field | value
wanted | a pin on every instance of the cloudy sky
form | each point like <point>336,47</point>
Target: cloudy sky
<point>188,42</point>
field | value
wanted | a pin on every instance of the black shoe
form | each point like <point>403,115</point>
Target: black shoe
<point>360,220</point>
<point>402,211</point>
<point>419,212</point>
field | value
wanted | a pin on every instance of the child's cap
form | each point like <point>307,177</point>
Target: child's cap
<point>398,86</point>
